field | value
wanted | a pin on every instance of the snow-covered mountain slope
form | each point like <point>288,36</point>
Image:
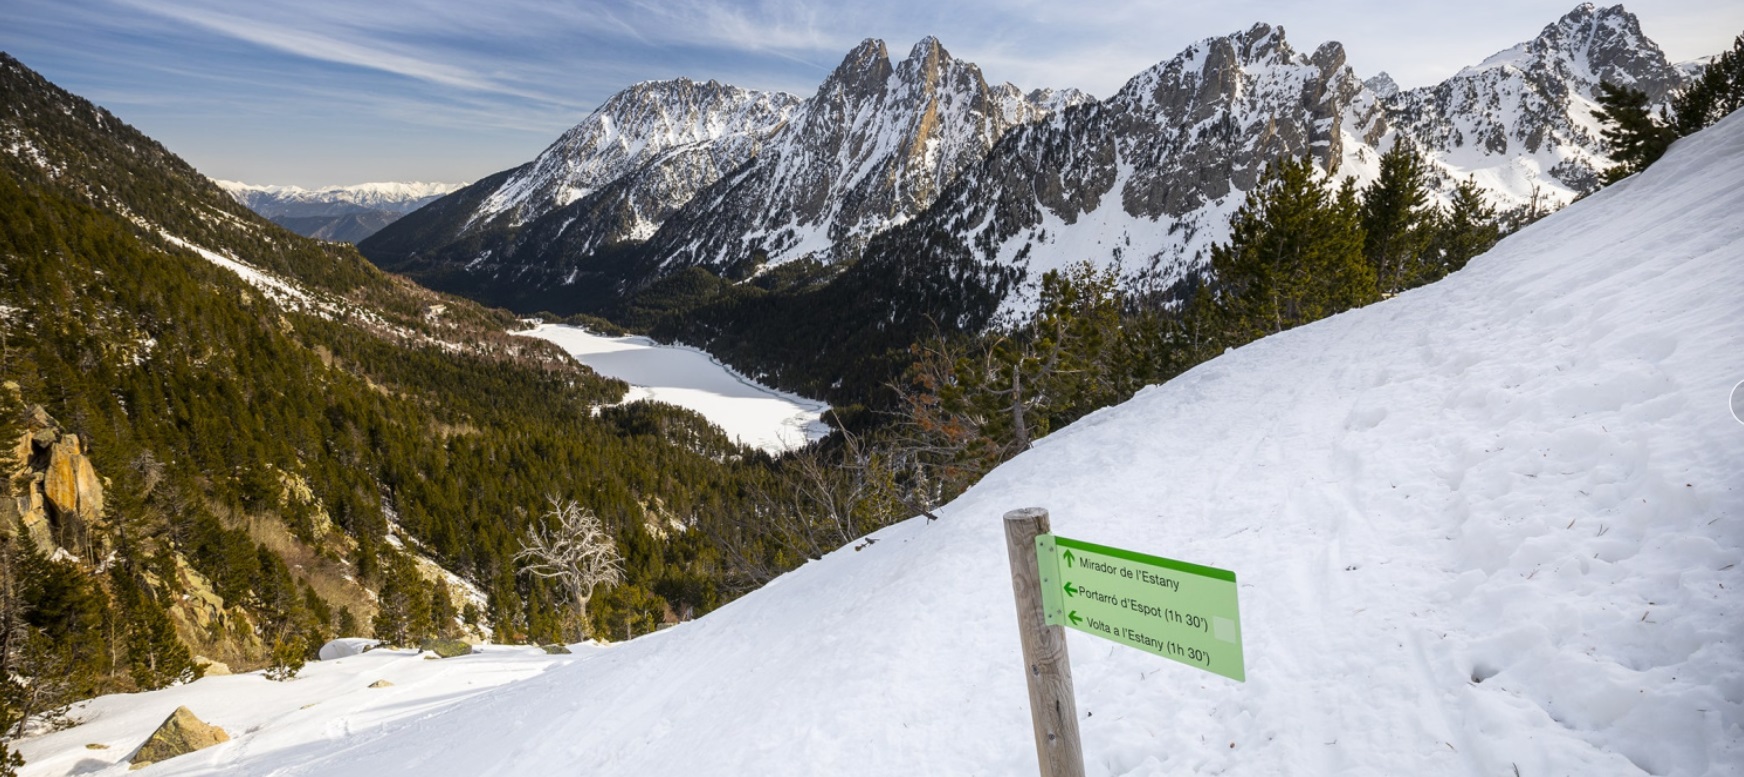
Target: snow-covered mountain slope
<point>1521,122</point>
<point>612,179</point>
<point>873,147</point>
<point>712,127</point>
<point>815,178</point>
<point>295,201</point>
<point>1146,179</point>
<point>1489,526</point>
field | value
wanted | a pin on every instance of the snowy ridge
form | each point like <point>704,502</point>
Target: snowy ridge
<point>1016,184</point>
<point>270,201</point>
<point>1145,180</point>
<point>712,175</point>
<point>634,129</point>
<point>290,295</point>
<point>875,146</point>
<point>1521,122</point>
<point>1490,525</point>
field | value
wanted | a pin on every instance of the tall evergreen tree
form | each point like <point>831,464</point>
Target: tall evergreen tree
<point>1468,228</point>
<point>1295,255</point>
<point>1637,138</point>
<point>156,656</point>
<point>1715,94</point>
<point>1396,217</point>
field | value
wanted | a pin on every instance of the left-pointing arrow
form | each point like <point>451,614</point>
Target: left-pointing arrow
<point>1074,618</point>
<point>1070,591</point>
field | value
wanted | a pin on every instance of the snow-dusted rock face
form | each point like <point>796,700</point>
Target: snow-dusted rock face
<point>872,148</point>
<point>1145,179</point>
<point>711,175</point>
<point>923,166</point>
<point>1521,122</point>
<point>677,136</point>
<point>613,179</point>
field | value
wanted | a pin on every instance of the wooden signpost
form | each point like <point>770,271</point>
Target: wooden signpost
<point>1181,611</point>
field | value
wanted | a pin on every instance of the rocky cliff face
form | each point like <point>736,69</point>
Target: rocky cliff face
<point>1144,180</point>
<point>922,162</point>
<point>56,494</point>
<point>874,147</point>
<point>614,179</point>
<point>675,136</point>
<point>688,174</point>
<point>1521,122</point>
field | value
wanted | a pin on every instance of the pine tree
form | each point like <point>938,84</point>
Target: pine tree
<point>1468,228</point>
<point>403,614</point>
<point>287,658</point>
<point>1396,218</point>
<point>1713,95</point>
<point>156,655</point>
<point>1637,139</point>
<point>1295,255</point>
<point>14,685</point>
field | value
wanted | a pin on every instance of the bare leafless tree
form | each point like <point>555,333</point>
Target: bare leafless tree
<point>572,547</point>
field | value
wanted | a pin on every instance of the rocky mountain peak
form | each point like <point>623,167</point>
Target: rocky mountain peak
<point>928,48</point>
<point>1261,43</point>
<point>1382,85</point>
<point>634,128</point>
<point>874,147</point>
<point>1537,98</point>
<point>864,70</point>
<point>1609,43</point>
<point>1590,44</point>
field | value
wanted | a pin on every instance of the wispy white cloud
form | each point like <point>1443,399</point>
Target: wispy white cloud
<point>376,55</point>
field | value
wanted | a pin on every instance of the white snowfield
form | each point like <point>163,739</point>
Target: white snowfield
<point>1488,527</point>
<point>748,412</point>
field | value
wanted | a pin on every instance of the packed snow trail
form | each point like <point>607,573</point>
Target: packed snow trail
<point>1491,526</point>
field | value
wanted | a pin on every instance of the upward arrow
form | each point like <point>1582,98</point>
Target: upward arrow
<point>1069,558</point>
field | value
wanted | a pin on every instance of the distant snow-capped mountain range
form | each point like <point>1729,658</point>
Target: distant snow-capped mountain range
<point>343,213</point>
<point>922,163</point>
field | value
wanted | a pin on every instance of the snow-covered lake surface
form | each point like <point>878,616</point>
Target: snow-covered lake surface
<point>755,415</point>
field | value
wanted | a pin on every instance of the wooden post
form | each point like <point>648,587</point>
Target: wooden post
<point>1048,670</point>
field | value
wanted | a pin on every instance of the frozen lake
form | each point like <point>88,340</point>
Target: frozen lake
<point>755,415</point>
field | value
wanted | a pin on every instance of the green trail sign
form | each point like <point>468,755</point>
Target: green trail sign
<point>1174,609</point>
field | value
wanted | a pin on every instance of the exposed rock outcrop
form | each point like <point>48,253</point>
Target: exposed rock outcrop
<point>446,648</point>
<point>56,492</point>
<point>181,733</point>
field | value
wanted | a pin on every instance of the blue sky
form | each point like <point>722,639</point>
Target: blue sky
<point>316,92</point>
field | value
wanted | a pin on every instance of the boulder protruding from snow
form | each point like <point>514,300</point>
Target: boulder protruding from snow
<point>181,733</point>
<point>345,647</point>
<point>446,648</point>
